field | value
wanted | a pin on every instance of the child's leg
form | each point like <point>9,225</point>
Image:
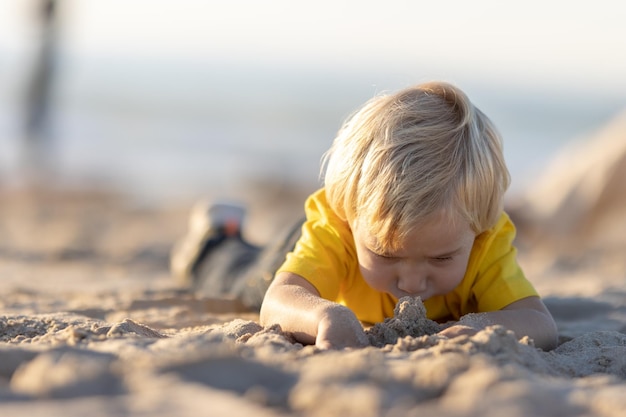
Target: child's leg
<point>214,260</point>
<point>259,276</point>
<point>212,256</point>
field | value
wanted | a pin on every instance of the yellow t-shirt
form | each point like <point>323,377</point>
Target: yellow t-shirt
<point>325,255</point>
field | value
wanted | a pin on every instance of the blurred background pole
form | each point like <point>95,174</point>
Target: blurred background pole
<point>37,157</point>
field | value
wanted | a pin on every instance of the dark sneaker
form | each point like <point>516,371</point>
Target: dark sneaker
<point>209,225</point>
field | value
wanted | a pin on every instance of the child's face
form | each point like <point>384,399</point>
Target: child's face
<point>431,260</point>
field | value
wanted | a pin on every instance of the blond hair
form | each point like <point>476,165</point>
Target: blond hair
<point>408,155</point>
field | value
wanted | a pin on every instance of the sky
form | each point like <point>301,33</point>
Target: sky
<point>535,41</point>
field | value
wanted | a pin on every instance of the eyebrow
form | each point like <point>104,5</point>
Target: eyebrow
<point>376,249</point>
<point>448,254</point>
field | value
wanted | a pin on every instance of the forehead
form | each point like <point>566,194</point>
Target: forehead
<point>439,231</point>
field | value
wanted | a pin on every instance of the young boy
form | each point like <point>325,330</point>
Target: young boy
<point>412,204</point>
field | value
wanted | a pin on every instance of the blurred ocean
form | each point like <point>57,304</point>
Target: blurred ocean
<point>162,130</point>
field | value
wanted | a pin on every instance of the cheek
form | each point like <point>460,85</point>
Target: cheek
<point>449,278</point>
<point>375,274</point>
<point>449,281</point>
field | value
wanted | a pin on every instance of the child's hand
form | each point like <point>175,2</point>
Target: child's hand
<point>339,328</point>
<point>525,317</point>
<point>296,305</point>
<point>458,330</point>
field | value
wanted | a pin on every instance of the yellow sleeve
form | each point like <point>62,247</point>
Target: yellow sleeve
<point>321,255</point>
<point>499,280</point>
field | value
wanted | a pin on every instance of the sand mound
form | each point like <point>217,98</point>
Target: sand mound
<point>582,193</point>
<point>409,320</point>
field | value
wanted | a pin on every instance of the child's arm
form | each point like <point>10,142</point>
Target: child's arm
<point>526,317</point>
<point>294,304</point>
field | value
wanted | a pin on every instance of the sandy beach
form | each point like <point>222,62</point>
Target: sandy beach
<point>91,322</point>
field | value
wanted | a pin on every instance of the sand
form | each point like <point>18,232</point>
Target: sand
<point>91,323</point>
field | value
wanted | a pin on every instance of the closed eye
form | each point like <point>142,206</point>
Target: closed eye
<point>446,256</point>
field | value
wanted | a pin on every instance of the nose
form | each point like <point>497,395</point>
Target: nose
<point>412,281</point>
